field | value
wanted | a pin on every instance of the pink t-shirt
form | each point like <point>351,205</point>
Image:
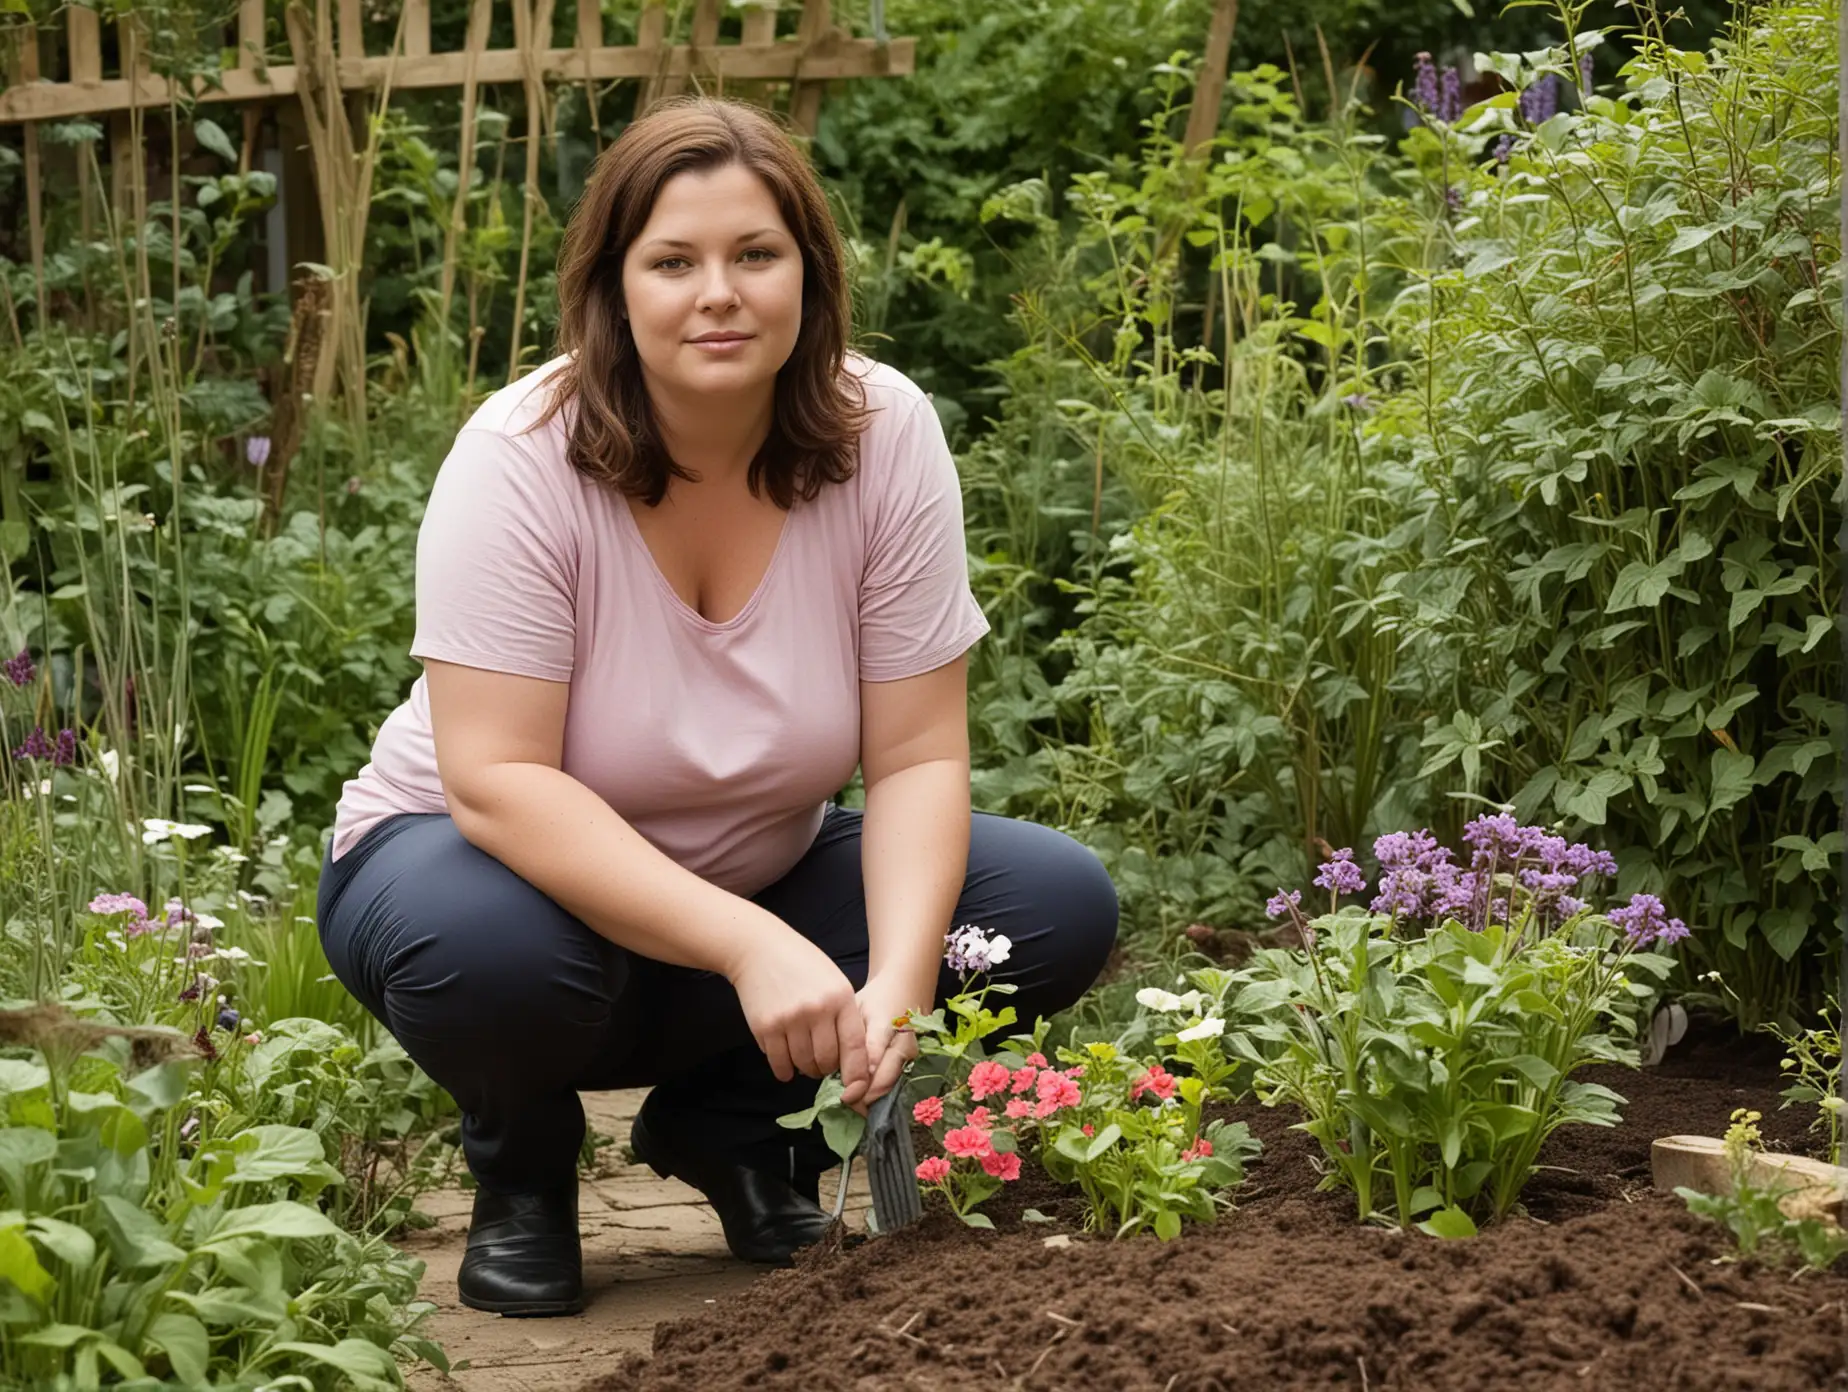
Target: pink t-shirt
<point>720,743</point>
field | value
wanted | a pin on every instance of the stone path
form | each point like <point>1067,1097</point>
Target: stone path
<point>653,1251</point>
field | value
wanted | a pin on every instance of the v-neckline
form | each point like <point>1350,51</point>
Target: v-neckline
<point>691,614</point>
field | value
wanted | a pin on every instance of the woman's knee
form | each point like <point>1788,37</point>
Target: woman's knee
<point>1053,897</point>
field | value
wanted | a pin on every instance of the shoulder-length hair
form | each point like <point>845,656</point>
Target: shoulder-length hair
<point>819,407</point>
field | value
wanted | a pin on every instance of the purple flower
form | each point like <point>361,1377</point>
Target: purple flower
<point>64,752</point>
<point>1450,100</point>
<point>1644,920</point>
<point>1341,874</point>
<point>1585,66</point>
<point>178,913</point>
<point>1540,100</point>
<point>257,451</point>
<point>227,1019</point>
<point>1453,199</point>
<point>19,670</point>
<point>1503,149</point>
<point>1358,401</point>
<point>194,991</point>
<point>1424,84</point>
<point>1409,850</point>
<point>1283,903</point>
<point>36,746</point>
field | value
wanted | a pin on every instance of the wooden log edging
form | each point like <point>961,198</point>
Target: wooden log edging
<point>1812,1188</point>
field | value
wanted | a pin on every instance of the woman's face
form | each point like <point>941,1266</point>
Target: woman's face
<point>713,284</point>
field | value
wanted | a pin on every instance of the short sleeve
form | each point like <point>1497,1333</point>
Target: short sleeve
<point>497,562</point>
<point>916,608</point>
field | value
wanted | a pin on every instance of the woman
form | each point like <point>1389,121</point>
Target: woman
<point>671,589</point>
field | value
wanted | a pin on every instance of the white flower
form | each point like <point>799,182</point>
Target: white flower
<point>1000,947</point>
<point>205,920</point>
<point>111,762</point>
<point>1209,1028</point>
<point>44,788</point>
<point>156,829</point>
<point>1154,998</point>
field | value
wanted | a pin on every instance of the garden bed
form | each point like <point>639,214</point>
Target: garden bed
<point>1601,1284</point>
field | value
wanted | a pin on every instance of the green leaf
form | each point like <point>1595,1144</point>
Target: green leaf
<point>282,1219</point>
<point>276,1152</point>
<point>135,1236</point>
<point>1533,1068</point>
<point>22,1075</point>
<point>1033,1215</point>
<point>369,1366</point>
<point>211,135</point>
<point>1103,1141</point>
<point>19,1266</point>
<point>185,1342</point>
<point>1450,1222</point>
<point>978,1220</point>
<point>58,1336</point>
<point>67,1242</point>
<point>842,1128</point>
<point>22,1147</point>
<point>1167,1225</point>
<point>1732,779</point>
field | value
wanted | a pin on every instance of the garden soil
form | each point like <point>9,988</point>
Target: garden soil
<point>1600,1283</point>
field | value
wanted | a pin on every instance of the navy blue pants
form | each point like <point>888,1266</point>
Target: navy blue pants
<point>514,1005</point>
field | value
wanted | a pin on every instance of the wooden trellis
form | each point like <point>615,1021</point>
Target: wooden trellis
<point>815,55</point>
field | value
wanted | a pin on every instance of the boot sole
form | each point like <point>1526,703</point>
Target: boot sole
<point>525,1309</point>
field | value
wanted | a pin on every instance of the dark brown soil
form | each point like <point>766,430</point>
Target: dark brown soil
<point>1599,1284</point>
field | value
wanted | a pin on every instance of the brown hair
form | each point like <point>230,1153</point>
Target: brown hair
<point>819,408</point>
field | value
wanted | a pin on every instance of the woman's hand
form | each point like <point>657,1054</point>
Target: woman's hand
<point>802,1011</point>
<point>888,1046</point>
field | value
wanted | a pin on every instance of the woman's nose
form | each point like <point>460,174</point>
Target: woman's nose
<point>717,289</point>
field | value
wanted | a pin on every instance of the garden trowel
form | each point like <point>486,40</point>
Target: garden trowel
<point>891,1167</point>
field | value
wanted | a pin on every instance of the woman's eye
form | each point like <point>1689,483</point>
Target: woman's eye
<point>669,263</point>
<point>764,252</point>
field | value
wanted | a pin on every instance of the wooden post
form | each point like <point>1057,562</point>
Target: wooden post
<point>805,100</point>
<point>416,28</point>
<point>650,37</point>
<point>84,33</point>
<point>22,66</point>
<point>250,57</point>
<point>759,31</point>
<point>1210,90</point>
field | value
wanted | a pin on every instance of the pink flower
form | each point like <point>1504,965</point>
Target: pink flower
<point>1003,1167</point>
<point>987,1078</point>
<point>1036,1060</point>
<point>1089,1129</point>
<point>1201,1149</point>
<point>1018,1108</point>
<point>928,1112</point>
<point>254,1037</point>
<point>967,1141</point>
<point>1024,1080</point>
<point>934,1170</point>
<point>118,903</point>
<point>1056,1091</point>
<point>1157,1080</point>
<point>1076,1071</point>
<point>978,1116</point>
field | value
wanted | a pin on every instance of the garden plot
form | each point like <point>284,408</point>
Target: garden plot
<point>1600,1283</point>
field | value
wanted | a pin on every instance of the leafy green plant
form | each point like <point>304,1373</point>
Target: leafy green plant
<point>1754,1213</point>
<point>1813,1066</point>
<point>1430,1042</point>
<point>129,1245</point>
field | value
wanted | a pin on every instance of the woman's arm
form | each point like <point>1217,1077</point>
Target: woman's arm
<point>499,747</point>
<point>914,755</point>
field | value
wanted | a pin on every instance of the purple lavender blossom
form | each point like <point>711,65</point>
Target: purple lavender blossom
<point>1585,73</point>
<point>64,753</point>
<point>1341,875</point>
<point>1283,903</point>
<point>36,746</point>
<point>19,670</point>
<point>1450,97</point>
<point>1645,920</point>
<point>1424,84</point>
<point>1540,100</point>
<point>1503,149</point>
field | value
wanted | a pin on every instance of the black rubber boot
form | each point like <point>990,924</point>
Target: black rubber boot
<point>768,1214</point>
<point>523,1254</point>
